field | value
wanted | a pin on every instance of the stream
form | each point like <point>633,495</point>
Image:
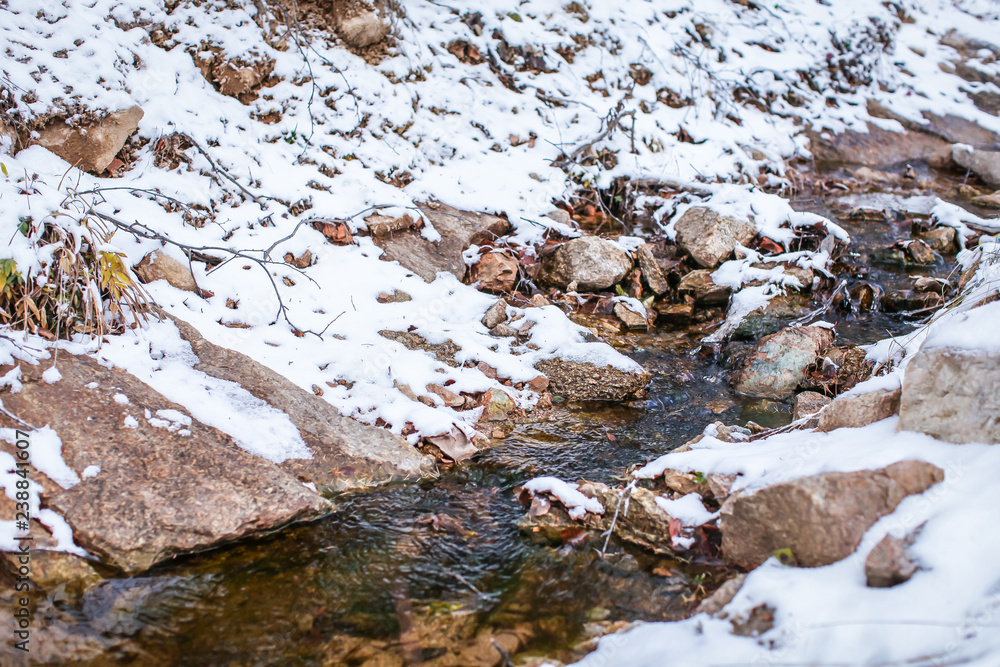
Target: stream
<point>435,572</point>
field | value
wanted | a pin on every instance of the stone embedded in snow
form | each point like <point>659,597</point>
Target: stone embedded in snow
<point>952,395</point>
<point>780,362</point>
<point>857,410</point>
<point>458,230</point>
<point>722,596</point>
<point>384,225</point>
<point>157,265</point>
<point>93,146</point>
<point>709,237</point>
<point>889,563</point>
<point>820,518</point>
<point>494,272</point>
<point>240,77</point>
<point>450,398</point>
<point>583,381</point>
<point>346,454</point>
<point>357,22</point>
<point>985,164</point>
<point>631,319</point>
<point>497,405</point>
<point>495,314</point>
<point>160,493</point>
<point>651,271</point>
<point>808,403</point>
<point>589,262</point>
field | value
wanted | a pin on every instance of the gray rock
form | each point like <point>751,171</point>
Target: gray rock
<point>952,395</point>
<point>585,381</point>
<point>631,319</point>
<point>709,237</point>
<point>773,316</point>
<point>592,263</point>
<point>651,271</point>
<point>495,314</point>
<point>357,22</point>
<point>346,454</point>
<point>808,403</point>
<point>985,164</point>
<point>160,493</point>
<point>159,266</point>
<point>820,519</point>
<point>92,146</point>
<point>458,229</point>
<point>780,362</point>
<point>859,410</point>
<point>889,563</point>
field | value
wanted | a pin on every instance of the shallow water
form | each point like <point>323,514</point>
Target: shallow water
<point>425,573</point>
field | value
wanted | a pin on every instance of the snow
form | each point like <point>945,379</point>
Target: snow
<point>90,471</point>
<point>52,375</point>
<point>567,493</point>
<point>689,509</point>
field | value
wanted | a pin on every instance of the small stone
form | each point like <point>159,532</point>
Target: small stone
<point>631,319</point>
<point>540,301</point>
<point>454,444</point>
<point>709,237</point>
<point>942,239</point>
<point>396,296</point>
<point>699,284</point>
<point>920,253</point>
<point>318,390</point>
<point>560,216</point>
<point>451,399</point>
<point>499,406</point>
<point>899,301</point>
<point>584,381</point>
<point>302,261</point>
<point>592,263</point>
<point>857,410</point>
<point>723,595</point>
<point>538,384</point>
<point>503,331</point>
<point>889,563</point>
<point>675,313</point>
<point>809,403</point>
<point>651,271</point>
<point>927,284</point>
<point>494,272</point>
<point>985,164</point>
<point>991,201</point>
<point>160,266</point>
<point>495,314</point>
<point>780,362</point>
<point>384,225</point>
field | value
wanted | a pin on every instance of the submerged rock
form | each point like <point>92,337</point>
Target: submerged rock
<point>773,316</point>
<point>584,381</point>
<point>590,263</point>
<point>160,491</point>
<point>952,395</point>
<point>780,362</point>
<point>709,237</point>
<point>820,519</point>
<point>92,146</point>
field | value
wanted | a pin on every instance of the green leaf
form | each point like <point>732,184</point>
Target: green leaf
<point>619,291</point>
<point>699,478</point>
<point>784,555</point>
<point>514,16</point>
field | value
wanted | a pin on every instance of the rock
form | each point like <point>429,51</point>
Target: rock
<point>699,284</point>
<point>444,352</point>
<point>303,261</point>
<point>169,492</point>
<point>889,563</point>
<point>950,128</point>
<point>920,253</point>
<point>651,271</point>
<point>91,146</point>
<point>755,622</point>
<point>875,148</point>
<point>454,444</point>
<point>709,237</point>
<point>820,518</point>
<point>160,266</point>
<point>898,301</point>
<point>631,319</point>
<point>384,225</point>
<point>857,410</point>
<point>240,77</point>
<point>985,164</point>
<point>458,230</point>
<point>774,315</point>
<point>952,395</point>
<point>876,177</point>
<point>780,362</point>
<point>942,239</point>
<point>395,296</point>
<point>498,406</point>
<point>675,313</point>
<point>583,381</point>
<point>494,272</point>
<point>714,603</point>
<point>559,216</point>
<point>539,301</point>
<point>809,403</point>
<point>987,201</point>
<point>592,263</point>
<point>53,569</point>
<point>346,454</point>
<point>503,330</point>
<point>450,398</point>
<point>357,23</point>
<point>495,314</point>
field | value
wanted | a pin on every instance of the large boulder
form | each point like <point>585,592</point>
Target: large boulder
<point>875,147</point>
<point>780,362</point>
<point>857,410</point>
<point>952,395</point>
<point>820,518</point>
<point>588,262</point>
<point>166,485</point>
<point>709,237</point>
<point>985,164</point>
<point>91,146</point>
<point>584,381</point>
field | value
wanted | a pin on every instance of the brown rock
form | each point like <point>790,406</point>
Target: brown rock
<point>169,493</point>
<point>357,23</point>
<point>494,272</point>
<point>240,77</point>
<point>303,261</point>
<point>714,603</point>
<point>52,569</point>
<point>857,410</point>
<point>889,563</point>
<point>384,225</point>
<point>709,237</point>
<point>587,263</point>
<point>875,148</point>
<point>780,362</point>
<point>458,229</point>
<point>495,314</point>
<point>952,395</point>
<point>450,398</point>
<point>538,384</point>
<point>93,146</point>
<point>395,296</point>
<point>809,403</point>
<point>985,164</point>
<point>820,518</point>
<point>675,313</point>
<point>987,201</point>
<point>454,444</point>
<point>498,406</point>
<point>346,454</point>
<point>942,239</point>
<point>651,271</point>
<point>586,382</point>
<point>160,266</point>
<point>920,253</point>
<point>699,284</point>
<point>631,319</point>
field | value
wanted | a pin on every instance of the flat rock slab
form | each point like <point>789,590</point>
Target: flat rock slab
<point>952,395</point>
<point>161,491</point>
<point>346,453</point>
<point>458,229</point>
<point>820,518</point>
<point>586,382</point>
<point>780,362</point>
<point>876,147</point>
